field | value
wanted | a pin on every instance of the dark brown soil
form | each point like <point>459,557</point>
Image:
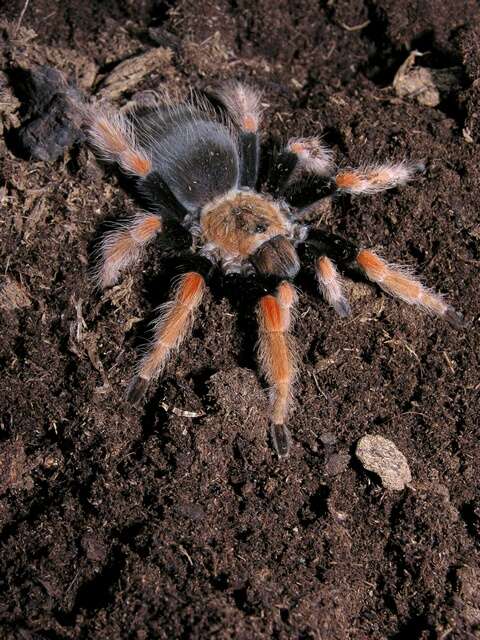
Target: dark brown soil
<point>117,523</point>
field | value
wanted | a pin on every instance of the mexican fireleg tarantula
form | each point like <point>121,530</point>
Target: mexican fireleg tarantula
<point>197,165</point>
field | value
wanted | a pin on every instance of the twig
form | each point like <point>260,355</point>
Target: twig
<point>356,27</point>
<point>25,6</point>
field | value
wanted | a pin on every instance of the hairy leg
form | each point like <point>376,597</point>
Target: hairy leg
<point>124,246</point>
<point>310,156</point>
<point>301,156</point>
<point>277,359</point>
<point>331,285</point>
<point>396,280</point>
<point>400,283</point>
<point>376,177</point>
<point>365,180</point>
<point>174,322</point>
<point>243,106</point>
<point>112,135</point>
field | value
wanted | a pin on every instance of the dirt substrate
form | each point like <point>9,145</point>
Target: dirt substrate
<point>119,523</point>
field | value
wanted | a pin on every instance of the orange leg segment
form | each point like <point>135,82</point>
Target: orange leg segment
<point>331,286</point>
<point>374,178</point>
<point>243,105</point>
<point>113,137</point>
<point>122,247</point>
<point>277,358</point>
<point>401,284</point>
<point>312,156</point>
<point>174,321</point>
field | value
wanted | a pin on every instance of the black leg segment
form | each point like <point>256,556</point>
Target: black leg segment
<point>250,158</point>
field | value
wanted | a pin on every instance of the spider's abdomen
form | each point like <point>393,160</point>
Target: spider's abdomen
<point>197,158</point>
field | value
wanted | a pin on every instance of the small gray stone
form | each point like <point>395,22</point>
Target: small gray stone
<point>336,464</point>
<point>381,456</point>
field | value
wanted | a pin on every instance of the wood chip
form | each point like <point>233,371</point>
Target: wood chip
<point>12,464</point>
<point>13,295</point>
<point>181,412</point>
<point>129,73</point>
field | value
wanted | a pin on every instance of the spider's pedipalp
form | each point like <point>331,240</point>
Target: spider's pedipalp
<point>331,286</point>
<point>113,137</point>
<point>123,246</point>
<point>378,177</point>
<point>401,284</point>
<point>243,105</point>
<point>174,321</point>
<point>277,360</point>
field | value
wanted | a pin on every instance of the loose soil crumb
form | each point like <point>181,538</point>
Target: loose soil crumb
<point>119,523</point>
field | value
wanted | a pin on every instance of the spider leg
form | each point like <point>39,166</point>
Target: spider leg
<point>277,361</point>
<point>112,135</point>
<point>366,180</point>
<point>123,246</point>
<point>331,285</point>
<point>174,320</point>
<point>396,280</point>
<point>243,105</point>
<point>399,282</point>
<point>301,156</point>
<point>376,177</point>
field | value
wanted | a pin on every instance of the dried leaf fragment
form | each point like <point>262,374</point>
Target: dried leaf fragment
<point>13,295</point>
<point>181,412</point>
<point>424,85</point>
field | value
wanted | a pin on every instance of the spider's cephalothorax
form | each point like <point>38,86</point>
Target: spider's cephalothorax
<point>243,229</point>
<point>198,167</point>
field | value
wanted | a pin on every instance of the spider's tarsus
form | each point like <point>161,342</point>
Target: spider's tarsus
<point>281,439</point>
<point>343,308</point>
<point>454,318</point>
<point>136,390</point>
<point>331,286</point>
<point>420,167</point>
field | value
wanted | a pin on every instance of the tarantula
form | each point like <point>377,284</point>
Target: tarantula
<point>197,163</point>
